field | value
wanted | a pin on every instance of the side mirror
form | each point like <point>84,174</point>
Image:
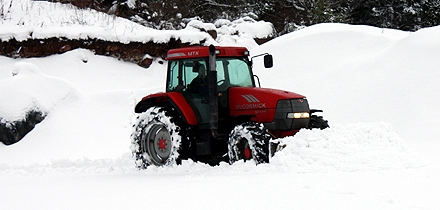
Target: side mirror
<point>268,61</point>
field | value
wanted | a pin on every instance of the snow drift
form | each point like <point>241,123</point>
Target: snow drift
<point>362,74</point>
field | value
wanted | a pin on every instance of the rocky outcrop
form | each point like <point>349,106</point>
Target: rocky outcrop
<point>12,132</point>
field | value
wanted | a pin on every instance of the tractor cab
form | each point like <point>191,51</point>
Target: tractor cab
<point>190,73</point>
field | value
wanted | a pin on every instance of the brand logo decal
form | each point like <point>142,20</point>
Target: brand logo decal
<point>250,98</point>
<point>254,103</point>
<point>193,53</point>
<point>251,106</point>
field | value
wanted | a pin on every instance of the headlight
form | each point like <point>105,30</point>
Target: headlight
<point>298,115</point>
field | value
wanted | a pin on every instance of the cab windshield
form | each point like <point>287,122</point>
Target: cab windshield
<point>233,72</point>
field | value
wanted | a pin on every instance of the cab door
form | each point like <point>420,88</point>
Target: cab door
<point>189,77</point>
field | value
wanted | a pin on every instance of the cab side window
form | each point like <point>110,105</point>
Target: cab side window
<point>183,72</point>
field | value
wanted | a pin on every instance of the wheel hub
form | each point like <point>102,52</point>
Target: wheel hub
<point>158,143</point>
<point>247,153</point>
<point>162,143</point>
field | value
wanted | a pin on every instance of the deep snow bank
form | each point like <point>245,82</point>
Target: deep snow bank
<point>362,74</point>
<point>359,146</point>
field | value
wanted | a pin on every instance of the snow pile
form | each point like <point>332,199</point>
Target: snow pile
<point>362,74</point>
<point>360,146</point>
<point>27,90</point>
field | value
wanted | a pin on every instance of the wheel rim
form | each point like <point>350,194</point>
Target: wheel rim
<point>158,143</point>
<point>246,152</point>
<point>249,141</point>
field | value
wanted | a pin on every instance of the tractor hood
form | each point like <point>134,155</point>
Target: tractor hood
<point>251,98</point>
<point>276,108</point>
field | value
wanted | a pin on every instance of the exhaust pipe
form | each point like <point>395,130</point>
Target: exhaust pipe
<point>213,97</point>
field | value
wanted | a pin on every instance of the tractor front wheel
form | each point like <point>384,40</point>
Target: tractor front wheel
<point>249,140</point>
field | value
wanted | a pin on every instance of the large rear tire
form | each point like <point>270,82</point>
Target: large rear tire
<point>249,140</point>
<point>155,139</point>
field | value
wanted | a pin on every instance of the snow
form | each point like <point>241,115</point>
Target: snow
<point>40,19</point>
<point>378,89</point>
<point>27,19</point>
<point>27,91</point>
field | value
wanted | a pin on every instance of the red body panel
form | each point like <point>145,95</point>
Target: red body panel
<point>203,52</point>
<point>178,100</point>
<point>260,102</point>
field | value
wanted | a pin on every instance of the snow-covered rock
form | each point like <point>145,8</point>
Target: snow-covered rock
<point>27,97</point>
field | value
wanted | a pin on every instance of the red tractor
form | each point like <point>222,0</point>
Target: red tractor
<point>212,111</point>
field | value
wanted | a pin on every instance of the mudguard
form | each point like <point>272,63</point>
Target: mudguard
<point>174,98</point>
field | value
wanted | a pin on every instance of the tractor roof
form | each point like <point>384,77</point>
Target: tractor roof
<point>201,52</point>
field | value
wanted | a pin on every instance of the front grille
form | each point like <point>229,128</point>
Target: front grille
<point>281,122</point>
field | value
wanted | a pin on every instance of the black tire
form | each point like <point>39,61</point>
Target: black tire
<point>249,140</point>
<point>155,139</point>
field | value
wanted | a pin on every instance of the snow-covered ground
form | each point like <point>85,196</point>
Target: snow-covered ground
<point>378,89</point>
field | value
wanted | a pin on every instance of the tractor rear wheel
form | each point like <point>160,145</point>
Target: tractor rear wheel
<point>155,139</point>
<point>249,140</point>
